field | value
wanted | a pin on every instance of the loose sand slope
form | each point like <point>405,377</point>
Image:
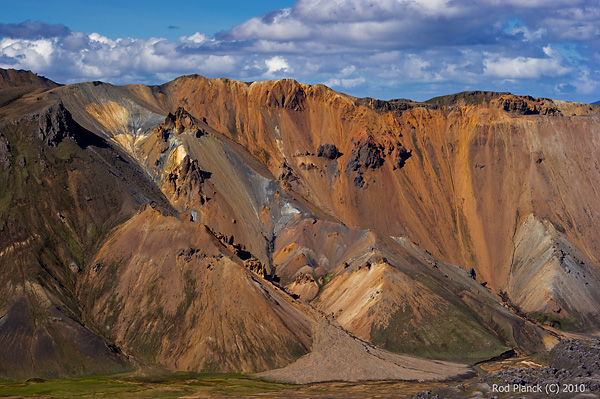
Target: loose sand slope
<point>338,356</point>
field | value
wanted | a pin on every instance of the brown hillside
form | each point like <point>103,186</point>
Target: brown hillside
<point>227,220</point>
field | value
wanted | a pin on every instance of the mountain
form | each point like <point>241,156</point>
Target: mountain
<point>596,103</point>
<point>210,224</point>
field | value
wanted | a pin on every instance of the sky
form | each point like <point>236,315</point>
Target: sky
<point>416,49</point>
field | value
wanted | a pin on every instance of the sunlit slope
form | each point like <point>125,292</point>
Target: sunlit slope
<point>457,178</point>
<point>370,213</point>
<point>62,189</point>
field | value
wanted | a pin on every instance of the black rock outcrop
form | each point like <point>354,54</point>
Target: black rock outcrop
<point>366,155</point>
<point>328,151</point>
<point>56,124</point>
<point>527,105</point>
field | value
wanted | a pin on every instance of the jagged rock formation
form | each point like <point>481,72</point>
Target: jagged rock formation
<point>212,224</point>
<point>528,106</point>
<point>177,123</point>
<point>187,180</point>
<point>328,151</point>
<point>56,124</point>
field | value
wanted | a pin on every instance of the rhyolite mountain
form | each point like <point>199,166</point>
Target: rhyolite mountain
<point>211,224</point>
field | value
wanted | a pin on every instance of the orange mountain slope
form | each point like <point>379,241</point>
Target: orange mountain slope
<point>213,224</point>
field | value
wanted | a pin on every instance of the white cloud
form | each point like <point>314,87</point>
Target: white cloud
<point>276,65</point>
<point>196,38</point>
<point>528,35</point>
<point>585,84</point>
<point>345,83</point>
<point>96,37</point>
<point>370,47</point>
<point>280,27</point>
<point>347,71</point>
<point>368,10</point>
<point>526,67</point>
<point>28,54</point>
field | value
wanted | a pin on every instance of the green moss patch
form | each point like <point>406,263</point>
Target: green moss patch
<point>168,385</point>
<point>449,335</point>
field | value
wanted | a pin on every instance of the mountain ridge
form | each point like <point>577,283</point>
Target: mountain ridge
<point>284,185</point>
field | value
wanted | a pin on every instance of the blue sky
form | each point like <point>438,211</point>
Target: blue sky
<point>140,18</point>
<point>385,49</point>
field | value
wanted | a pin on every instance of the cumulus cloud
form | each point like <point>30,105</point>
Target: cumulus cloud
<point>526,67</point>
<point>277,65</point>
<point>80,56</point>
<point>380,48</point>
<point>31,54</point>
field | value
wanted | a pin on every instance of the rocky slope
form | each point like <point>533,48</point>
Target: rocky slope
<point>571,371</point>
<point>208,224</point>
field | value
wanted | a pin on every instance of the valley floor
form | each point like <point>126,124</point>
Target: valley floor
<point>205,386</point>
<point>572,362</point>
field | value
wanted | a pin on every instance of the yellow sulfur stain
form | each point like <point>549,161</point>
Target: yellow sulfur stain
<point>111,115</point>
<point>550,341</point>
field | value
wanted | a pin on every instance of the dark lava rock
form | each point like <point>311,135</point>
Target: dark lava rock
<point>471,273</point>
<point>163,134</point>
<point>287,174</point>
<point>400,104</point>
<point>359,181</point>
<point>328,151</point>
<point>527,105</point>
<point>402,155</point>
<point>571,363</point>
<point>574,354</point>
<point>368,155</point>
<point>56,124</point>
<point>371,155</point>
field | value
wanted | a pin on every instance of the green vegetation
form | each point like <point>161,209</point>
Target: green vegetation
<point>562,323</point>
<point>169,385</point>
<point>547,318</point>
<point>328,278</point>
<point>449,334</point>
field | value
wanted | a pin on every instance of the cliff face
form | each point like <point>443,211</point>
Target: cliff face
<point>458,179</point>
<point>399,221</point>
